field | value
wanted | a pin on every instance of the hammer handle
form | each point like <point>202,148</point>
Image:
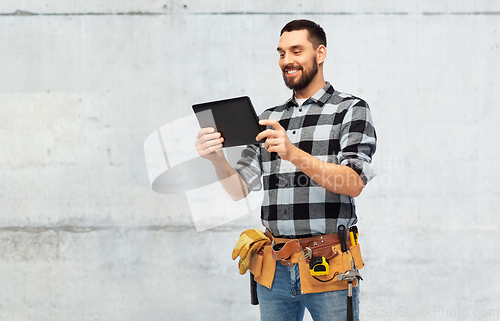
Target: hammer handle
<point>253,291</point>
<point>350,312</point>
<point>350,315</point>
<point>343,237</point>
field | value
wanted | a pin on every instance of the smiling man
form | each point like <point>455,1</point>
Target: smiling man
<point>297,49</point>
<point>314,162</point>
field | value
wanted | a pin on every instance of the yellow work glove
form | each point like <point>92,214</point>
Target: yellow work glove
<point>248,244</point>
<point>246,240</point>
<point>244,264</point>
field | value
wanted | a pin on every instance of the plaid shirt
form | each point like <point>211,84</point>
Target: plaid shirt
<point>332,126</point>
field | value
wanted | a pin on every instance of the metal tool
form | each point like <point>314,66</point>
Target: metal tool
<point>353,273</point>
<point>349,276</point>
<point>307,253</point>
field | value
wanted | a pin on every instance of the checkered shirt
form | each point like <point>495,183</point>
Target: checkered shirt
<point>332,126</point>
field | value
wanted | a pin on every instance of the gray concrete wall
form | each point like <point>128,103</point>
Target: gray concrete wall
<point>82,84</point>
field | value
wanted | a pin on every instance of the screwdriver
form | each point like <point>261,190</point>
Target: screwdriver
<point>354,234</point>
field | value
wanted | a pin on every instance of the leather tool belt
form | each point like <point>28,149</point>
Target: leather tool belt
<point>327,246</point>
<point>301,251</point>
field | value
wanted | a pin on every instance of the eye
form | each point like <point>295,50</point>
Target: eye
<point>296,52</point>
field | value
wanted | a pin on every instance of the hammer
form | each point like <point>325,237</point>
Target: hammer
<point>349,276</point>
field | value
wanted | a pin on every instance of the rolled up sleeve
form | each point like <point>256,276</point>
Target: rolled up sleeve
<point>358,140</point>
<point>249,167</point>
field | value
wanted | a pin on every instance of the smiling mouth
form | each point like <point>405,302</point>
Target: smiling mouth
<point>291,72</point>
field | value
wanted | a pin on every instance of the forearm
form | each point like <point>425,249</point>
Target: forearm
<point>339,179</point>
<point>230,180</point>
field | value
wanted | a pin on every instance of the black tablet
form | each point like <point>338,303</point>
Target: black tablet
<point>234,118</point>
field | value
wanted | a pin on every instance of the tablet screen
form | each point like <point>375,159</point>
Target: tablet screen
<point>234,118</point>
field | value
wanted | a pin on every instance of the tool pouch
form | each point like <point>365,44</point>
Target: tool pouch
<point>326,251</point>
<point>339,263</point>
<point>356,255</point>
<point>263,266</point>
<point>283,251</point>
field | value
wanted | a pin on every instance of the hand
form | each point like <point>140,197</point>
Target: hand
<point>276,139</point>
<point>209,144</point>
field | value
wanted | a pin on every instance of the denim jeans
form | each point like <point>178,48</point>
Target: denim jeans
<point>284,301</point>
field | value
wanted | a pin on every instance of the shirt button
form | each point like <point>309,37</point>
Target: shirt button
<point>300,109</point>
<point>293,132</point>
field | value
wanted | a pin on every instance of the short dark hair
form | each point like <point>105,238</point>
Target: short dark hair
<point>316,36</point>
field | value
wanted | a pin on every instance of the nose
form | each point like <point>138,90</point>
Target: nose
<point>288,60</point>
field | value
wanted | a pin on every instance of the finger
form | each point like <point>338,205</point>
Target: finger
<point>210,143</point>
<point>202,144</point>
<point>205,130</point>
<point>268,133</point>
<point>272,141</point>
<point>269,143</point>
<point>207,137</point>
<point>210,136</point>
<point>271,122</point>
<point>211,150</point>
<point>272,148</point>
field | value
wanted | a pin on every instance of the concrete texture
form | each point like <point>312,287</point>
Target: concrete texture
<point>83,236</point>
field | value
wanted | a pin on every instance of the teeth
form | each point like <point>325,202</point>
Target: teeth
<point>292,71</point>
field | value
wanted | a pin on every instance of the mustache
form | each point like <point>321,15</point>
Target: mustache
<point>289,67</point>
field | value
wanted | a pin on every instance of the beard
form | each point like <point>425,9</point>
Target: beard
<point>304,81</point>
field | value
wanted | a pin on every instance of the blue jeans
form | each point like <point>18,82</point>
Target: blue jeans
<point>285,302</point>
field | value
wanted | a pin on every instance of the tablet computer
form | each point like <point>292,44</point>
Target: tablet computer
<point>234,118</point>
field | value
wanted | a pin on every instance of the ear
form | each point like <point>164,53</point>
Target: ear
<point>320,54</point>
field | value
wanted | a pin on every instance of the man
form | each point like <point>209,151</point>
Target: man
<point>313,163</point>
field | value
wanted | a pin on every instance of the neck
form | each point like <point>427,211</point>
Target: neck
<point>316,84</point>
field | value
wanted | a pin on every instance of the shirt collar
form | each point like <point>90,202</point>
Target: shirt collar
<point>319,98</point>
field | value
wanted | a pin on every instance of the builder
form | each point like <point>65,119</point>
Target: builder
<point>314,162</point>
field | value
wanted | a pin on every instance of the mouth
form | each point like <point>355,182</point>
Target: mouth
<point>291,72</point>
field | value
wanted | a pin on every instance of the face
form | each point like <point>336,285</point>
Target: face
<point>297,59</point>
